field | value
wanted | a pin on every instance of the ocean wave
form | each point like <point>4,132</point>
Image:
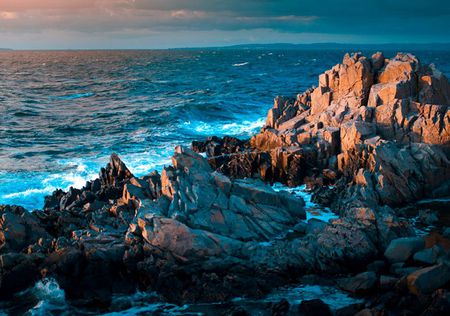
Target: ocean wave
<point>240,64</point>
<point>75,96</point>
<point>245,128</point>
<point>28,192</point>
<point>143,163</point>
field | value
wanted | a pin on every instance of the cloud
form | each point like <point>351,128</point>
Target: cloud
<point>5,15</point>
<point>375,19</point>
<point>183,14</point>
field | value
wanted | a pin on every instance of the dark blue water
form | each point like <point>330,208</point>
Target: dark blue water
<point>63,113</point>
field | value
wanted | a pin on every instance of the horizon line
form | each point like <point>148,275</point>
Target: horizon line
<point>243,45</point>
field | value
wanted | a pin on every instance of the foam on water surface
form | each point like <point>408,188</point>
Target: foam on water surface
<point>47,298</point>
<point>313,210</point>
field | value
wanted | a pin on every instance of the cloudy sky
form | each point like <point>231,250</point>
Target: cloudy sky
<point>46,24</point>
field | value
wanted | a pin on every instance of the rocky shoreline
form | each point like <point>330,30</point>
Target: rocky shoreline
<point>371,142</point>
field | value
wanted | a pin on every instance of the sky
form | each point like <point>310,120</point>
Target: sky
<point>130,24</point>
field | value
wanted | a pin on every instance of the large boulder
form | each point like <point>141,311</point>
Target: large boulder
<point>428,279</point>
<point>360,283</point>
<point>402,249</point>
<point>210,215</point>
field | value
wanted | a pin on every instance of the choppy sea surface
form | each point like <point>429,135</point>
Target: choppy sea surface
<point>62,113</point>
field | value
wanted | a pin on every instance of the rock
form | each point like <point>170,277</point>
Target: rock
<point>281,308</point>
<point>387,282</point>
<point>440,304</point>
<point>18,271</point>
<point>354,133</point>
<point>428,217</point>
<point>315,307</point>
<point>366,312</point>
<point>376,266</point>
<point>360,283</point>
<point>427,256</point>
<point>243,209</point>
<point>428,279</point>
<point>377,61</point>
<point>235,311</point>
<point>401,68</point>
<point>404,271</point>
<point>113,177</point>
<point>446,232</point>
<point>215,146</point>
<point>19,229</point>
<point>349,310</point>
<point>401,249</point>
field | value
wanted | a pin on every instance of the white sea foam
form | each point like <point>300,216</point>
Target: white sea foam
<point>241,64</point>
<point>245,128</point>
<point>52,299</point>
<point>313,210</point>
<point>28,192</point>
<point>332,296</point>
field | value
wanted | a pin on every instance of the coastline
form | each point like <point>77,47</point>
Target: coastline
<point>199,231</point>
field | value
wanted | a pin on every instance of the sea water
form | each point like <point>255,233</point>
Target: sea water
<point>62,113</point>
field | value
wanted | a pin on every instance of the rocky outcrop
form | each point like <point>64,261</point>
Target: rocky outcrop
<point>382,123</point>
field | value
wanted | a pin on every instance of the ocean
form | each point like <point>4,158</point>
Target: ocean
<point>62,113</point>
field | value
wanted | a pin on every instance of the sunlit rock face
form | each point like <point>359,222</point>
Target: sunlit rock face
<point>389,117</point>
<point>209,214</point>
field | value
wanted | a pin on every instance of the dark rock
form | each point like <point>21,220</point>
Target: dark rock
<point>401,272</point>
<point>215,146</point>
<point>377,266</point>
<point>428,217</point>
<point>387,282</point>
<point>429,279</point>
<point>280,308</point>
<point>446,232</point>
<point>52,201</point>
<point>70,199</point>
<point>366,312</point>
<point>360,283</point>
<point>314,307</point>
<point>236,311</point>
<point>349,310</point>
<point>440,304</point>
<point>18,271</point>
<point>19,228</point>
<point>401,249</point>
<point>428,256</point>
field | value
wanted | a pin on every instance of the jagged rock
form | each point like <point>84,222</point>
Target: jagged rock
<point>376,109</point>
<point>202,199</point>
<point>215,146</point>
<point>19,228</point>
<point>377,60</point>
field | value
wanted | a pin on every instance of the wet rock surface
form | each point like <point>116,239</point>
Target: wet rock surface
<point>371,142</point>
